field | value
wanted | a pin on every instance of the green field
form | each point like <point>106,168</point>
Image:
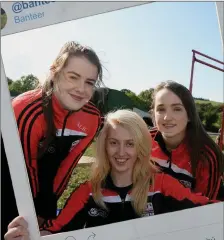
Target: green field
<point>90,151</point>
<point>79,176</point>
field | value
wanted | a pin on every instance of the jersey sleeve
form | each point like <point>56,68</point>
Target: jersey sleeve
<point>208,178</point>
<point>30,132</point>
<point>177,197</point>
<point>67,166</point>
<point>73,216</point>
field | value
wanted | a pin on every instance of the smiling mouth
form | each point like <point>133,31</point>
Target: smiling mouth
<point>169,126</point>
<point>77,98</point>
<point>121,160</point>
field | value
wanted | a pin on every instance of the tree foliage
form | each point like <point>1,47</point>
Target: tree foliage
<point>24,84</point>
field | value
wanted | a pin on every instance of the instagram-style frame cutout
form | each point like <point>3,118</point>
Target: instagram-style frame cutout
<point>200,223</point>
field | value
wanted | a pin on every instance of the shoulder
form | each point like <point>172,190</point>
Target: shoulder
<point>27,98</point>
<point>91,109</point>
<point>164,183</point>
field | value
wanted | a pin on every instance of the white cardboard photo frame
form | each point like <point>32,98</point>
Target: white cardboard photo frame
<point>203,223</point>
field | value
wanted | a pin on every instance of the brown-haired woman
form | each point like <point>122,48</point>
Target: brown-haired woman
<point>57,122</point>
<point>181,146</point>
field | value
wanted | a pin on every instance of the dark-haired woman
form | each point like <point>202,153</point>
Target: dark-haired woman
<point>57,122</point>
<point>181,146</point>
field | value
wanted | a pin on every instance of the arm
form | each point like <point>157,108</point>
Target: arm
<point>30,132</point>
<point>177,197</point>
<point>73,216</point>
<point>68,164</point>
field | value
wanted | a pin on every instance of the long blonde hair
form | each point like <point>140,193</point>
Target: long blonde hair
<point>144,168</point>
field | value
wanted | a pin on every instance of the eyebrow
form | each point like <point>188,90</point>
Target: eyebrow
<point>118,140</point>
<point>174,105</point>
<point>78,75</point>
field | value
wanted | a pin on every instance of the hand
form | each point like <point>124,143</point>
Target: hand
<point>17,230</point>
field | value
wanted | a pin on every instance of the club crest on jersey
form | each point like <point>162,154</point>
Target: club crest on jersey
<point>149,211</point>
<point>186,184</point>
<point>94,212</point>
<point>74,144</point>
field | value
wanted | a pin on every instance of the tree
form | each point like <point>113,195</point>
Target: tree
<point>146,96</point>
<point>24,84</point>
<point>209,115</point>
<point>126,91</point>
<point>137,101</point>
<point>9,81</point>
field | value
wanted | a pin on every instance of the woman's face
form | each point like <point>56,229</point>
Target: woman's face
<point>170,116</point>
<point>76,83</point>
<point>121,150</point>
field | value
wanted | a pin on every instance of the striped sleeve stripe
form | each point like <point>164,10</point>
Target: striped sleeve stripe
<point>29,147</point>
<point>91,109</point>
<point>25,124</point>
<point>93,106</point>
<point>90,112</point>
<point>213,174</point>
<point>26,109</point>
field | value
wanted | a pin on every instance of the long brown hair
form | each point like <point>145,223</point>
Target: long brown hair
<point>198,141</point>
<point>70,49</point>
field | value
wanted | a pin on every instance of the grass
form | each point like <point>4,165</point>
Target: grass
<point>90,151</point>
<point>80,174</point>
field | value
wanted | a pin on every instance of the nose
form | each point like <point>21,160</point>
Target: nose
<point>167,116</point>
<point>80,87</point>
<point>121,150</point>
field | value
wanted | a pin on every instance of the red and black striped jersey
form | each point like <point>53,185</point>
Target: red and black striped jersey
<point>50,173</point>
<point>177,163</point>
<point>166,195</point>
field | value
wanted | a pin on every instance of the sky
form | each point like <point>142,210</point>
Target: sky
<point>139,47</point>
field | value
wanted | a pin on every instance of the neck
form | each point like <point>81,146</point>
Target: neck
<point>173,142</point>
<point>121,179</point>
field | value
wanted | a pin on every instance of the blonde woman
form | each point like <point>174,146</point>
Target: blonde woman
<point>56,123</point>
<point>124,184</point>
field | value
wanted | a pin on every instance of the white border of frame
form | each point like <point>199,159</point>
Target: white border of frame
<point>197,222</point>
